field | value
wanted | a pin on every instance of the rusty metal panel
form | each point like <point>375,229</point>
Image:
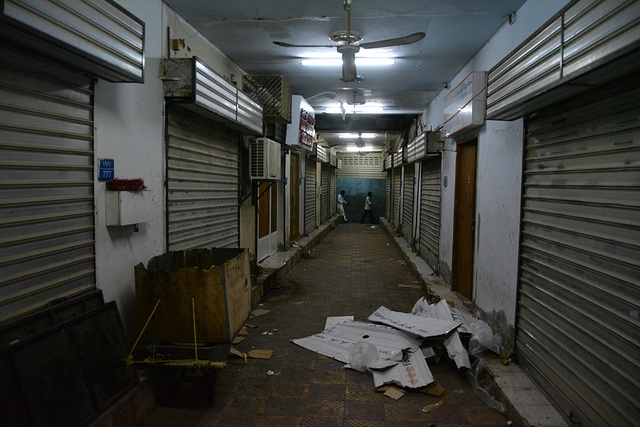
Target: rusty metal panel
<point>430,212</point>
<point>46,182</point>
<point>273,93</point>
<point>202,182</point>
<point>579,284</point>
<point>97,36</point>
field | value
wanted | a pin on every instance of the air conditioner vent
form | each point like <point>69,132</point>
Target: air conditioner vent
<point>264,159</point>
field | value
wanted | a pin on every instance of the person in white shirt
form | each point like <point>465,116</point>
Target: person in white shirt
<point>368,210</point>
<point>341,203</point>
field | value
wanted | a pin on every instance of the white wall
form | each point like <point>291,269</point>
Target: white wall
<point>498,191</point>
<point>129,128</point>
<point>499,172</point>
<point>129,121</point>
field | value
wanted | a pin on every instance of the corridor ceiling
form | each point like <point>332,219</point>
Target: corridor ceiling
<point>455,30</point>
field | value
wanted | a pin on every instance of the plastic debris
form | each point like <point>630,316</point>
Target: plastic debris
<point>483,389</point>
<point>483,338</point>
<point>362,355</point>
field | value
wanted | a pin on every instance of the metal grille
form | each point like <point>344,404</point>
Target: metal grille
<point>310,196</point>
<point>202,182</point>
<point>388,206</point>
<point>324,197</point>
<point>273,92</point>
<point>369,166</point>
<point>46,182</point>
<point>580,255</point>
<point>407,203</point>
<point>430,213</point>
<point>397,192</point>
<point>333,196</point>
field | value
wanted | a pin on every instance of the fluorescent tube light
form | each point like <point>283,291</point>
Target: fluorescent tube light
<point>355,135</point>
<point>338,61</point>
<point>358,109</point>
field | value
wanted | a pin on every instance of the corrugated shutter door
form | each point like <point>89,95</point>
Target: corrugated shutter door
<point>430,212</point>
<point>47,248</point>
<point>333,197</point>
<point>324,198</point>
<point>397,191</point>
<point>388,205</point>
<point>407,206</point>
<point>310,196</point>
<point>580,257</point>
<point>202,182</point>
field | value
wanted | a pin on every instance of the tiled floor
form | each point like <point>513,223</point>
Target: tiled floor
<point>353,271</point>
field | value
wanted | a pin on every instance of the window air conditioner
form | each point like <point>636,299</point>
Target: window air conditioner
<point>264,159</point>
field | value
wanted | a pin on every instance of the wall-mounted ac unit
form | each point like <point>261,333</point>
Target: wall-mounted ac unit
<point>264,159</point>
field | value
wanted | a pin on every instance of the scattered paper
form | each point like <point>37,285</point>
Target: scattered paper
<point>394,393</point>
<point>435,389</point>
<point>410,286</point>
<point>259,312</point>
<point>422,326</point>
<point>411,372</point>
<point>248,325</point>
<point>337,341</point>
<point>260,354</point>
<point>431,407</point>
<point>243,331</point>
<point>237,340</point>
<point>452,343</point>
<point>334,320</point>
<point>428,352</point>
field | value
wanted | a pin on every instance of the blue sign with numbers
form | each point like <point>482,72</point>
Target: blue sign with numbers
<point>106,171</point>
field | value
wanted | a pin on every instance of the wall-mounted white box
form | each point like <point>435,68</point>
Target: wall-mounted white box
<point>127,208</point>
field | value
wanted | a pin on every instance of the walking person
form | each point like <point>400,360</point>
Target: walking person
<point>368,209</point>
<point>341,203</point>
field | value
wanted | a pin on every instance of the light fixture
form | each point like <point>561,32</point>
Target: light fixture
<point>338,61</point>
<point>361,149</point>
<point>356,135</point>
<point>370,109</point>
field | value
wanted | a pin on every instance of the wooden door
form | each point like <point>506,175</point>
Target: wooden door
<point>295,197</point>
<point>464,218</point>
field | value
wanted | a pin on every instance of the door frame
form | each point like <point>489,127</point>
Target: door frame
<point>464,217</point>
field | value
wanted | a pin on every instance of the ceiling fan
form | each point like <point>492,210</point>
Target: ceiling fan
<point>348,44</point>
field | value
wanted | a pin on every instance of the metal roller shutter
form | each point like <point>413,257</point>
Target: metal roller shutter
<point>388,205</point>
<point>580,255</point>
<point>324,197</point>
<point>310,196</point>
<point>47,248</point>
<point>430,212</point>
<point>397,191</point>
<point>333,196</point>
<point>202,182</point>
<point>407,203</point>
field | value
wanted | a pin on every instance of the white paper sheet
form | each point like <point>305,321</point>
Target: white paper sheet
<point>422,326</point>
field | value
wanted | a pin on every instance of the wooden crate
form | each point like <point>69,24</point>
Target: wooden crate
<point>219,281</point>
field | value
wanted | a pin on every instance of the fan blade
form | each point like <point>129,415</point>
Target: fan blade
<point>283,44</point>
<point>412,38</point>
